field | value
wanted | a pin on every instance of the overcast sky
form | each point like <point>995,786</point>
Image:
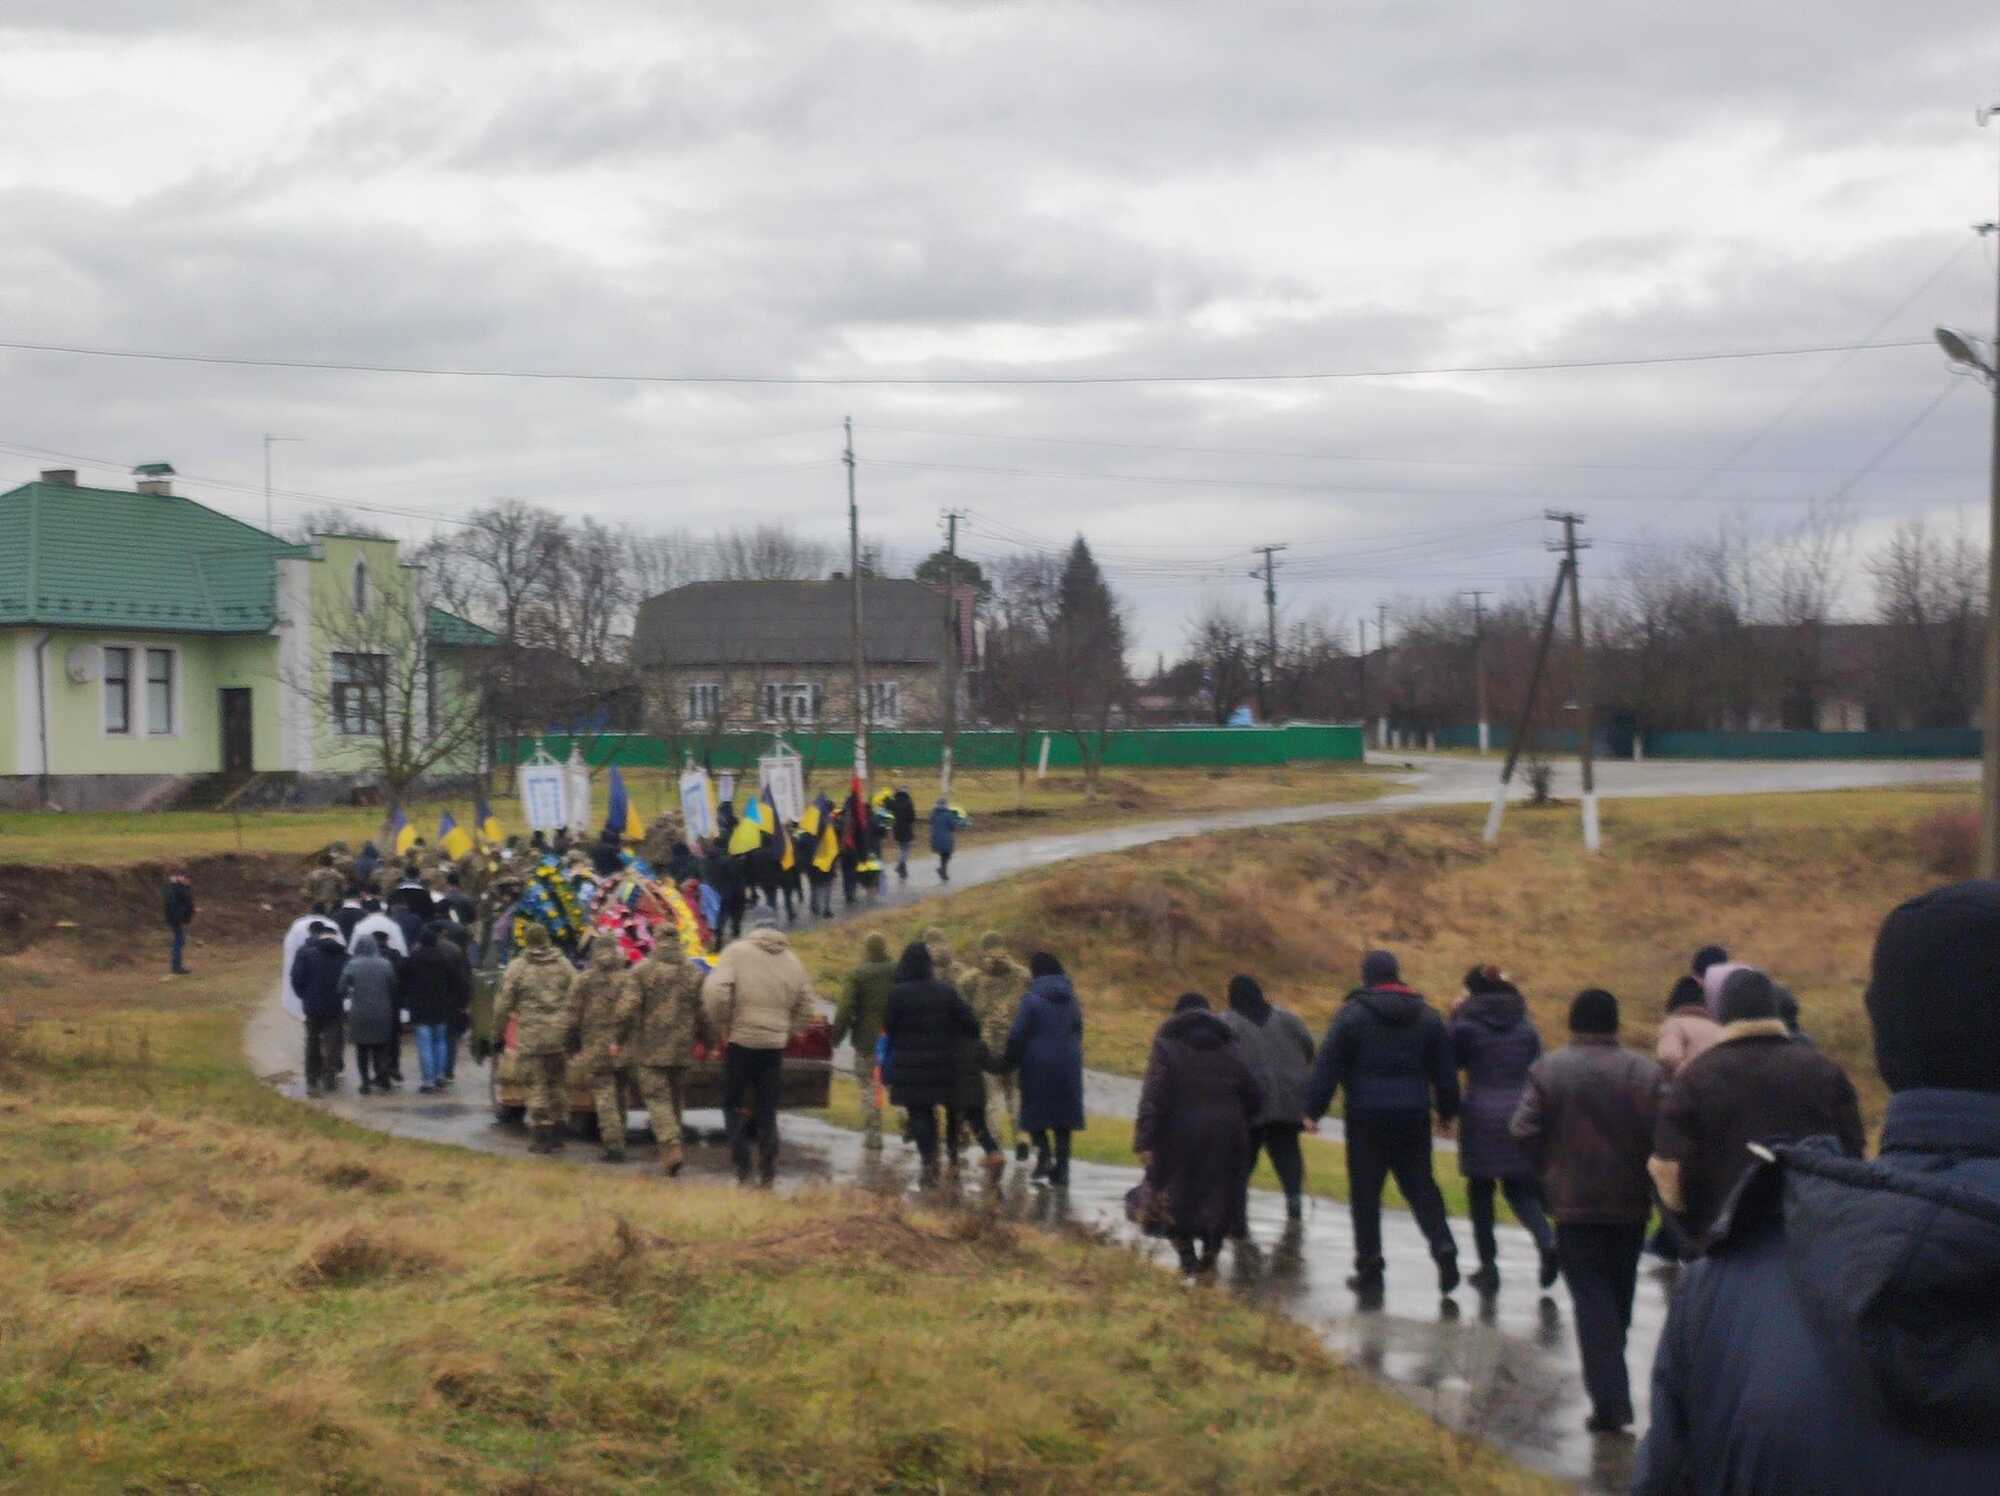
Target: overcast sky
<point>963,189</point>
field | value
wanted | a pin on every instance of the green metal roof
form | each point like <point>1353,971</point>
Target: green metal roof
<point>76,557</point>
<point>450,630</point>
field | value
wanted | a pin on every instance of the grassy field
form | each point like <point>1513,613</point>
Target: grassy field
<point>998,808</point>
<point>1797,883</point>
<point>211,1288</point>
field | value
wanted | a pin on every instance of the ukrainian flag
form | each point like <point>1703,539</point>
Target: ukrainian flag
<point>747,837</point>
<point>777,823</point>
<point>490,830</point>
<point>621,815</point>
<point>829,848</point>
<point>402,835</point>
<point>754,814</point>
<point>457,845</point>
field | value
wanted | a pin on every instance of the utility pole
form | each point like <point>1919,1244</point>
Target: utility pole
<point>1361,670</point>
<point>1528,704</point>
<point>954,638</point>
<point>1479,665</point>
<point>268,439</point>
<point>1382,643</point>
<point>1570,546</point>
<point>1270,625</point>
<point>854,576</point>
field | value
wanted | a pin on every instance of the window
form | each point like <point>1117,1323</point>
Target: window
<point>361,586</point>
<point>795,701</point>
<point>159,692</point>
<point>704,702</point>
<point>885,702</point>
<point>117,689</point>
<point>359,684</point>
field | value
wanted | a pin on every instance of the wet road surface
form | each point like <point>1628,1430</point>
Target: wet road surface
<point>1504,1368</point>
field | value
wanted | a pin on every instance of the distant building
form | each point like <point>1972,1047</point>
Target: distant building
<point>148,642</point>
<point>750,656</point>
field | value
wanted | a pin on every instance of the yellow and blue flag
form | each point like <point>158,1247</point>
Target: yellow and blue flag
<point>457,845</point>
<point>747,837</point>
<point>402,835</point>
<point>490,830</point>
<point>829,848</point>
<point>621,815</point>
<point>755,814</point>
<point>776,823</point>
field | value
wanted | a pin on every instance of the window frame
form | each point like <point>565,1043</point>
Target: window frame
<point>357,689</point>
<point>703,691</point>
<point>792,703</point>
<point>172,683</point>
<point>885,703</point>
<point>124,681</point>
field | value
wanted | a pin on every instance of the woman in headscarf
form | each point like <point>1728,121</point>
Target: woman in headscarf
<point>1193,1131</point>
<point>928,1027</point>
<point>1046,1048</point>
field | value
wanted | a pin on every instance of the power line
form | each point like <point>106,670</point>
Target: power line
<point>329,366</point>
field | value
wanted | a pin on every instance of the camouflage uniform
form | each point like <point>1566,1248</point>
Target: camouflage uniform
<point>324,885</point>
<point>863,1005</point>
<point>536,993</point>
<point>993,990</point>
<point>669,1021</point>
<point>943,967</point>
<point>606,1004</point>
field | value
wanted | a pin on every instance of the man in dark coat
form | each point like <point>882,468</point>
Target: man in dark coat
<point>903,821</point>
<point>944,836</point>
<point>316,973</point>
<point>432,992</point>
<point>1493,1042</point>
<point>1045,1046</point>
<point>1753,1085</point>
<point>721,872</point>
<point>1585,1120</point>
<point>368,992</point>
<point>457,904</point>
<point>179,909</point>
<point>414,896</point>
<point>1387,1049</point>
<point>1193,1130</point>
<point>1841,1334</point>
<point>408,921</point>
<point>1277,1048</point>
<point>927,1024</point>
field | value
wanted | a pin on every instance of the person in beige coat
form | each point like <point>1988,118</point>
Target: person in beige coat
<point>757,998</point>
<point>1689,1030</point>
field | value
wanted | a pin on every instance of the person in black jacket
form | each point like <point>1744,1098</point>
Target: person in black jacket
<point>316,971</point>
<point>927,1025</point>
<point>1387,1048</point>
<point>431,989</point>
<point>1840,1335</point>
<point>903,820</point>
<point>180,914</point>
<point>456,903</point>
<point>455,940</point>
<point>1192,1133</point>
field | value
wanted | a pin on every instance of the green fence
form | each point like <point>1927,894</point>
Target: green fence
<point>1137,748</point>
<point>1943,742</point>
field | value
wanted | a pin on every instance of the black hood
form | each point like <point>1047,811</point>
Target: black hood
<point>1896,1269</point>
<point>1389,1006</point>
<point>1498,1008</point>
<point>1198,1030</point>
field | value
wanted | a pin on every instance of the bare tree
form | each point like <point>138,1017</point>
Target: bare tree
<point>1804,566</point>
<point>770,553</point>
<point>1930,597</point>
<point>1012,685</point>
<point>1222,643</point>
<point>332,519</point>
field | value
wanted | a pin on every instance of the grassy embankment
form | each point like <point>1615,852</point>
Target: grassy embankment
<point>212,1288</point>
<point>999,811</point>
<point>1797,883</point>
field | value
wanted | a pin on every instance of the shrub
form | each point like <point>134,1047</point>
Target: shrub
<point>1948,843</point>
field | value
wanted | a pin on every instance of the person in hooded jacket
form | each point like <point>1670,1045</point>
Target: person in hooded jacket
<point>944,836</point>
<point>315,979</point>
<point>903,823</point>
<point>1388,1050</point>
<point>1494,1043</point>
<point>1277,1048</point>
<point>1045,1046</point>
<point>928,1026</point>
<point>368,991</point>
<point>365,864</point>
<point>1840,1335</point>
<point>1193,1130</point>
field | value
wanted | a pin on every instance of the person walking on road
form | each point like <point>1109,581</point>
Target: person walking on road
<point>944,836</point>
<point>179,909</point>
<point>1586,1122</point>
<point>1387,1049</point>
<point>1840,1336</point>
<point>1494,1043</point>
<point>1045,1045</point>
<point>606,1005</point>
<point>369,992</point>
<point>1277,1048</point>
<point>434,989</point>
<point>903,824</point>
<point>374,922</point>
<point>864,1002</point>
<point>993,991</point>
<point>1193,1131</point>
<point>757,998</point>
<point>667,1025</point>
<point>315,980</point>
<point>1754,1085</point>
<point>535,992</point>
<point>928,1025</point>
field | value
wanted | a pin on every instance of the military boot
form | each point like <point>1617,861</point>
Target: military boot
<point>672,1159</point>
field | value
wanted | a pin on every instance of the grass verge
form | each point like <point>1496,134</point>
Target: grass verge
<point>211,1288</point>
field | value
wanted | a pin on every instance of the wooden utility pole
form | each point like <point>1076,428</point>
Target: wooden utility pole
<point>1570,546</point>
<point>854,576</point>
<point>1527,705</point>
<point>953,642</point>
<point>1479,665</point>
<point>1361,671</point>
<point>1270,626</point>
<point>1382,643</point>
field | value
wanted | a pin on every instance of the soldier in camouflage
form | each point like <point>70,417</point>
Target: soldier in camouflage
<point>606,1003</point>
<point>863,1003</point>
<point>993,989</point>
<point>669,1022</point>
<point>324,886</point>
<point>535,992</point>
<point>943,967</point>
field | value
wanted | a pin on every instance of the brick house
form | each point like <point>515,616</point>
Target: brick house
<point>778,656</point>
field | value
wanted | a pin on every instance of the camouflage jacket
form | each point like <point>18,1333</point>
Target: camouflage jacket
<point>324,885</point>
<point>670,1017</point>
<point>535,991</point>
<point>606,1005</point>
<point>993,989</point>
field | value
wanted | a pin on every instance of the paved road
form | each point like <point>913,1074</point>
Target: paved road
<point>1503,1369</point>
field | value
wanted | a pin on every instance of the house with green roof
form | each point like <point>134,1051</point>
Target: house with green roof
<point>148,642</point>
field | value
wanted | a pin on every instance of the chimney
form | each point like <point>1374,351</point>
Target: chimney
<point>59,477</point>
<point>156,478</point>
